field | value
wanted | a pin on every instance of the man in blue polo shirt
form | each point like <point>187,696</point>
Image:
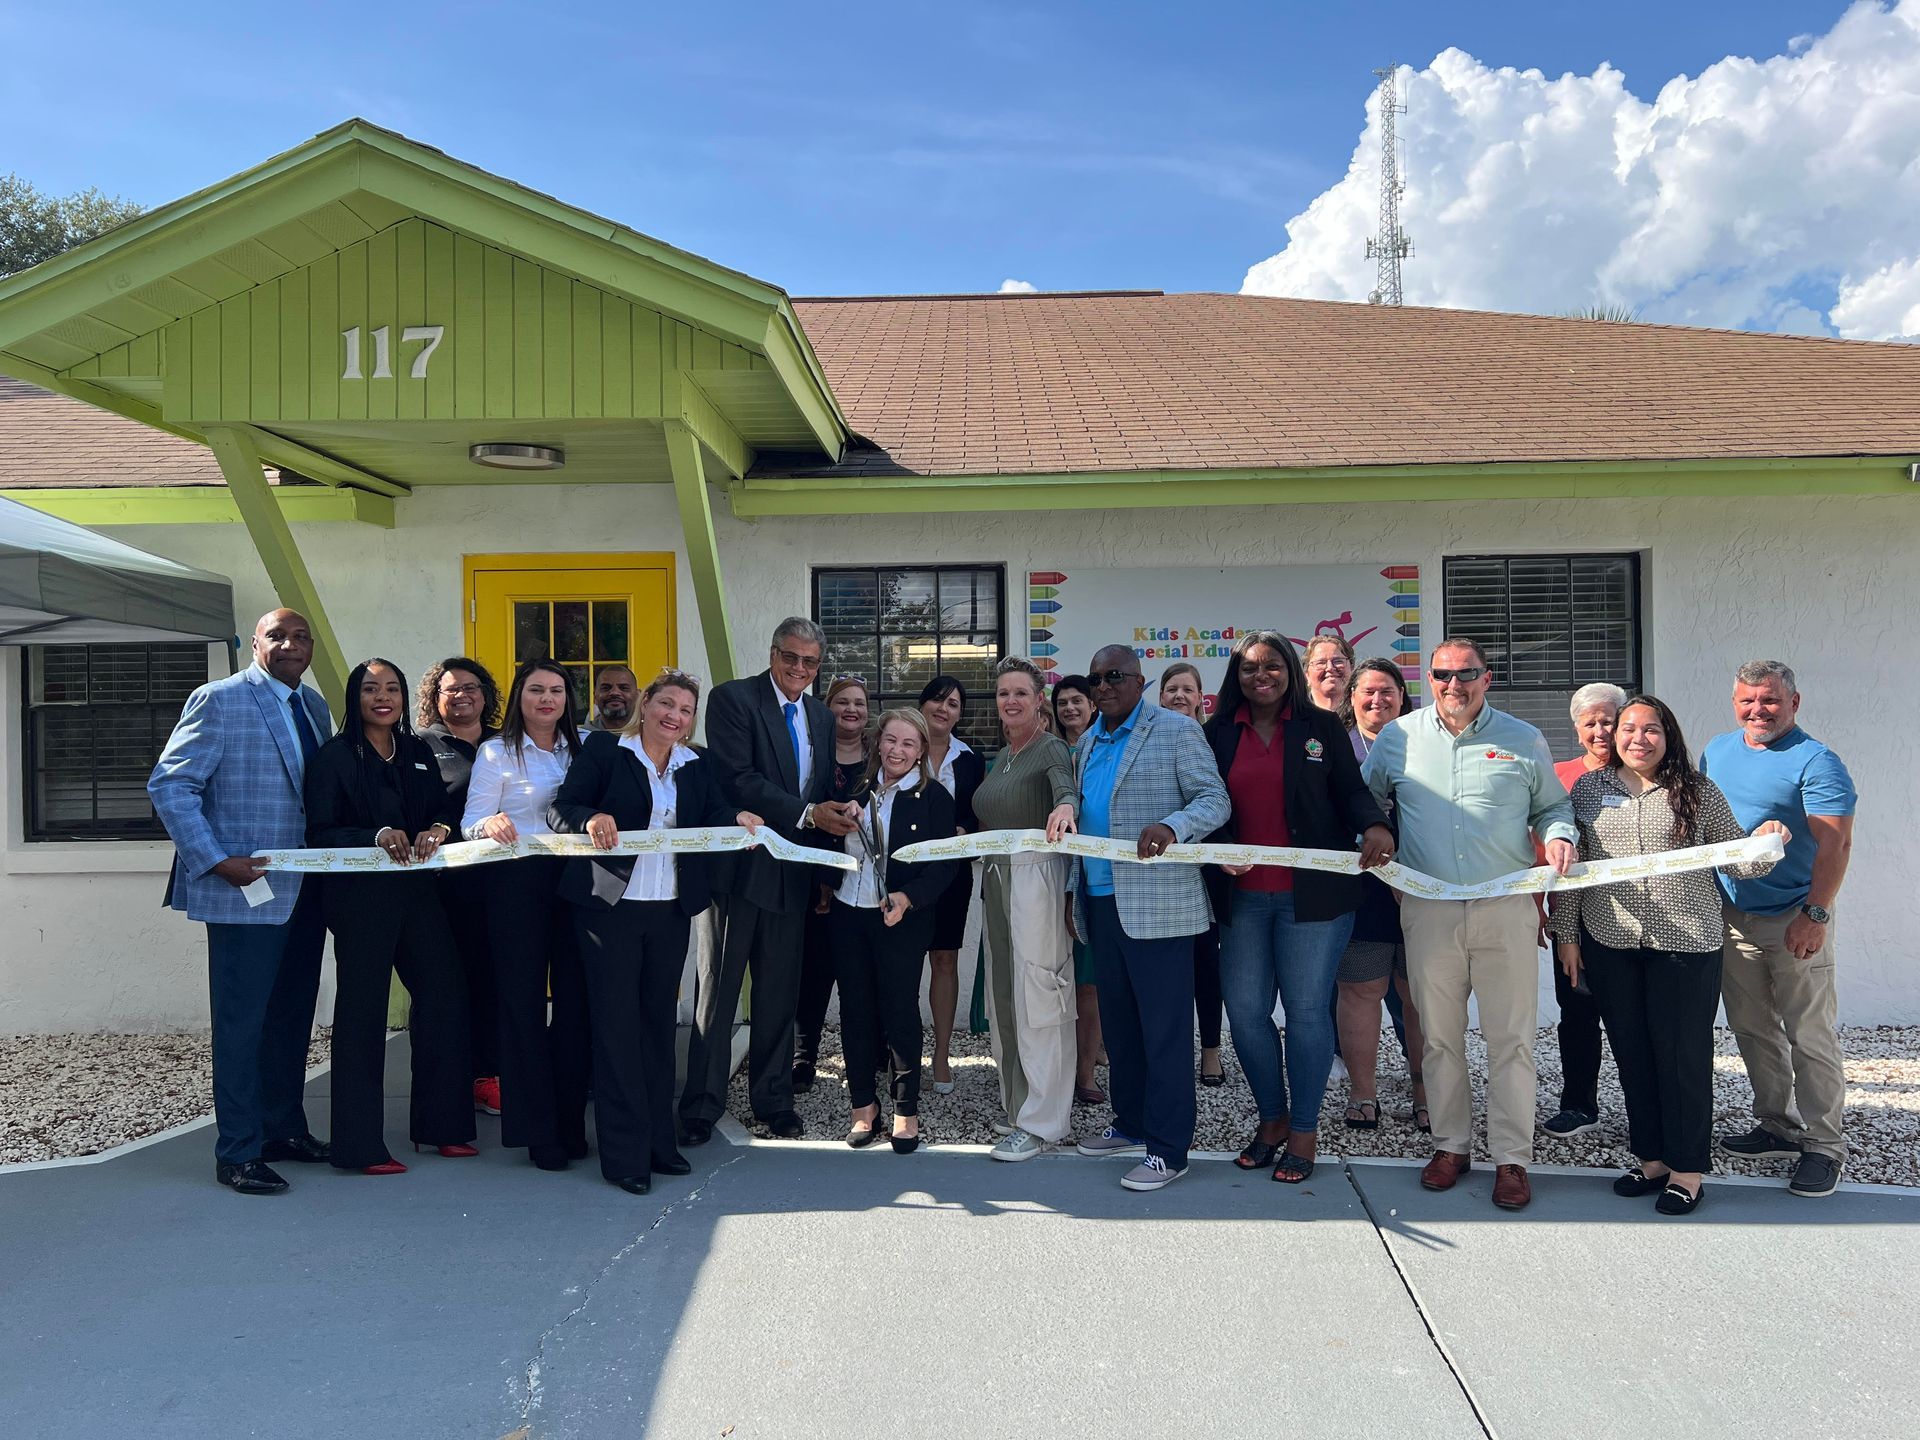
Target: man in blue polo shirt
<point>1777,969</point>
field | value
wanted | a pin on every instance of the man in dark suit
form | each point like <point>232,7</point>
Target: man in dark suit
<point>228,784</point>
<point>771,744</point>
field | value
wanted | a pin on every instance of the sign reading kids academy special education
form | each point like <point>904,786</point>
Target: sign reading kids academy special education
<point>1196,614</point>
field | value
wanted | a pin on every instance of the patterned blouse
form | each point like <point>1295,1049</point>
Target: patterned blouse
<point>1659,912</point>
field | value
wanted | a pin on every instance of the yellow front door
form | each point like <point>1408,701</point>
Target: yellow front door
<point>584,611</point>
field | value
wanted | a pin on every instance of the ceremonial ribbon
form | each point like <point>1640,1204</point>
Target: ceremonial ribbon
<point>1346,862</point>
<point>708,840</point>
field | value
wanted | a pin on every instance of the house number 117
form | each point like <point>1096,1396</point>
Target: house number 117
<point>383,351</point>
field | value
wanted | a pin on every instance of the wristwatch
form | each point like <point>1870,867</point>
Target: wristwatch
<point>806,818</point>
<point>1819,914</point>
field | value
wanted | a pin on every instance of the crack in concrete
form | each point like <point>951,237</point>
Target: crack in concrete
<point>533,1373</point>
<point>1420,1308</point>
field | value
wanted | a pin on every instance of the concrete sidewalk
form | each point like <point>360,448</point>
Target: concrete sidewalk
<point>798,1290</point>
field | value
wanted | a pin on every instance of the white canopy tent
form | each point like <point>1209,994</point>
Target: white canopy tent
<point>61,584</point>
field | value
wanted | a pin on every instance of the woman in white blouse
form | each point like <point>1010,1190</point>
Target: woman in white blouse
<point>632,916</point>
<point>544,1066</point>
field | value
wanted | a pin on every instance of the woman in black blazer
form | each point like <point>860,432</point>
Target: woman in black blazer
<point>1290,771</point>
<point>883,919</point>
<point>376,783</point>
<point>633,914</point>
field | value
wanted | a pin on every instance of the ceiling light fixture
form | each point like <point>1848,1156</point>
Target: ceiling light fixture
<point>518,457</point>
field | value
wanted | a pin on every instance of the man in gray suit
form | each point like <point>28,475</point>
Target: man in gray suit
<point>228,784</point>
<point>1146,776</point>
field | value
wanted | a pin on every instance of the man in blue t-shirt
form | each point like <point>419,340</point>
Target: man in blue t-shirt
<point>1777,976</point>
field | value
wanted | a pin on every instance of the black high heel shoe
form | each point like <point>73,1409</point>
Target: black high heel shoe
<point>905,1144</point>
<point>858,1139</point>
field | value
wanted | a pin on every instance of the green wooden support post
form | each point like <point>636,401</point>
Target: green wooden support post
<point>239,461</point>
<point>703,552</point>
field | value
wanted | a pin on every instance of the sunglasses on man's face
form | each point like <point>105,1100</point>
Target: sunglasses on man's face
<point>1114,678</point>
<point>805,662</point>
<point>1465,677</point>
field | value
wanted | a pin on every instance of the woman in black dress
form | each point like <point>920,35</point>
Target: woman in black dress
<point>847,698</point>
<point>376,784</point>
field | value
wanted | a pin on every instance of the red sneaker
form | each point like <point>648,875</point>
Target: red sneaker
<point>486,1095</point>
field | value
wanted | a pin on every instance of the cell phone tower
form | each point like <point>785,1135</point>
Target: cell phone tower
<point>1391,245</point>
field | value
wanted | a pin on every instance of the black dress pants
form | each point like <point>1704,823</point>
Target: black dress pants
<point>463,895</point>
<point>544,1065</point>
<point>1579,1033</point>
<point>380,924</point>
<point>880,968</point>
<point>817,974</point>
<point>765,944</point>
<point>1207,1003</point>
<point>1659,1007</point>
<point>632,955</point>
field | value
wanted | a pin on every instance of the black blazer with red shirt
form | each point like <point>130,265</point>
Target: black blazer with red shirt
<point>1328,805</point>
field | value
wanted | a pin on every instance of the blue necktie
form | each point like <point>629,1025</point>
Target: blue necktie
<point>793,734</point>
<point>303,727</point>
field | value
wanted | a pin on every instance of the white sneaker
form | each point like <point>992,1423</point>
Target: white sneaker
<point>1021,1145</point>
<point>1152,1173</point>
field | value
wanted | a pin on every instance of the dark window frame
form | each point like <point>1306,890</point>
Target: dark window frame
<point>1501,646</point>
<point>981,733</point>
<point>161,714</point>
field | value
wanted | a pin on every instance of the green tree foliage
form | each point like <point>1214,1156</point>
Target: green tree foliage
<point>1619,314</point>
<point>35,226</point>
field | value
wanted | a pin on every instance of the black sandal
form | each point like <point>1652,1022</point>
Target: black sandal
<point>1366,1121</point>
<point>1292,1169</point>
<point>1258,1154</point>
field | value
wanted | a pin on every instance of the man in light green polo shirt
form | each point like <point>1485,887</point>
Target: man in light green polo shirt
<point>1472,785</point>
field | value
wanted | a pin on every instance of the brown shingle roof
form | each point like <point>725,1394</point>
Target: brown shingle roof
<point>949,385</point>
<point>48,441</point>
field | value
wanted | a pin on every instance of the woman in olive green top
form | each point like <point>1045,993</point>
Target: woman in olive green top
<point>1030,1008</point>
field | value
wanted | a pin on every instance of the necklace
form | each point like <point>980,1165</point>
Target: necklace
<point>1014,751</point>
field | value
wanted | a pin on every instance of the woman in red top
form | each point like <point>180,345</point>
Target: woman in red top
<point>1293,780</point>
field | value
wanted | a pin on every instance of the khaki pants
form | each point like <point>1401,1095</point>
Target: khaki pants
<point>1030,994</point>
<point>1487,949</point>
<point>1783,1011</point>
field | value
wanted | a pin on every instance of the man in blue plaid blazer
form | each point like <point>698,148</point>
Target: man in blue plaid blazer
<point>1147,776</point>
<point>228,784</point>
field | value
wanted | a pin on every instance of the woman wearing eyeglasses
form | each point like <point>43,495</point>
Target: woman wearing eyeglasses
<point>459,711</point>
<point>632,916</point>
<point>959,768</point>
<point>1291,775</point>
<point>849,704</point>
<point>883,919</point>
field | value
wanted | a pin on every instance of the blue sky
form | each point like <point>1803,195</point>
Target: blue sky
<point>885,148</point>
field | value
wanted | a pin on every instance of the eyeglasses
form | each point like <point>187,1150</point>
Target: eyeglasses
<point>1338,662</point>
<point>859,680</point>
<point>452,690</point>
<point>1465,677</point>
<point>805,662</point>
<point>667,672</point>
<point>1113,677</point>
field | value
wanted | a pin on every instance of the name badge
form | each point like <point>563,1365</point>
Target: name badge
<point>418,766</point>
<point>1612,801</point>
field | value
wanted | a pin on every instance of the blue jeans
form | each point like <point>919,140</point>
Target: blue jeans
<point>1264,953</point>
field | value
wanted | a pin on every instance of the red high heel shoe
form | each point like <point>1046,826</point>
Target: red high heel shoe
<point>385,1167</point>
<point>451,1152</point>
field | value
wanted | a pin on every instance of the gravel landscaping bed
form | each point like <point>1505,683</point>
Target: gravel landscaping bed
<point>1883,1106</point>
<point>69,1095</point>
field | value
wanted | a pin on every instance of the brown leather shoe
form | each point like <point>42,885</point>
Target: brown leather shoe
<point>1511,1188</point>
<point>1444,1169</point>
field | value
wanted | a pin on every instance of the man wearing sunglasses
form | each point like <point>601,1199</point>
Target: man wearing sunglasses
<point>1146,776</point>
<point>1473,786</point>
<point>771,743</point>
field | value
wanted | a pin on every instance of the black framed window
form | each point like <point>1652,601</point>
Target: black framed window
<point>899,626</point>
<point>97,717</point>
<point>1549,624</point>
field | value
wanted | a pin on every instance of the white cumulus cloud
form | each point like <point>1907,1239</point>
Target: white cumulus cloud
<point>1017,287</point>
<point>1778,194</point>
